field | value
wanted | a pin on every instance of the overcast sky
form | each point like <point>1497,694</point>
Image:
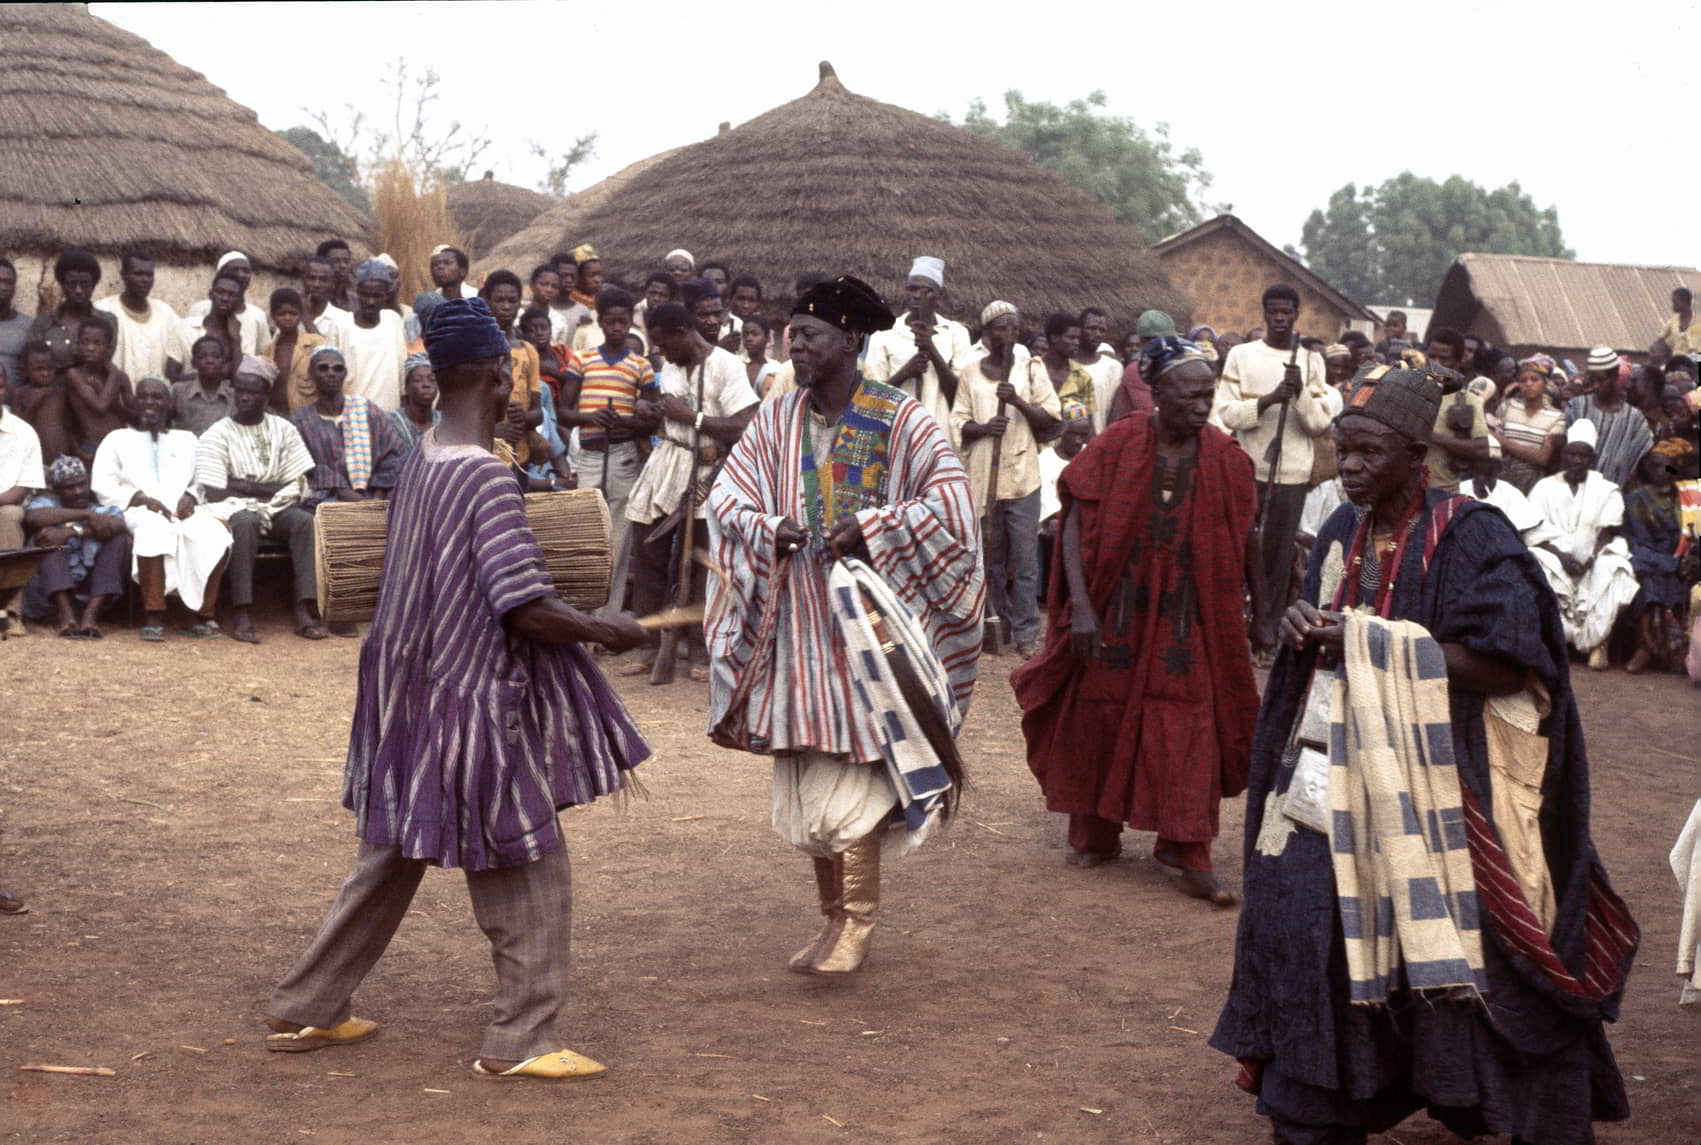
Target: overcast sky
<point>1287,102</point>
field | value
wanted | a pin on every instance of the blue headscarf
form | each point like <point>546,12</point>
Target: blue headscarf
<point>463,330</point>
<point>1161,355</point>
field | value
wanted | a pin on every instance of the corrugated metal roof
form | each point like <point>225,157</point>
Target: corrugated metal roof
<point>1560,303</point>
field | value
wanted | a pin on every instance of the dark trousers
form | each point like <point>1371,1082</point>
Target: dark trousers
<point>104,578</point>
<point>293,527</point>
<point>652,573</point>
<point>1275,548</point>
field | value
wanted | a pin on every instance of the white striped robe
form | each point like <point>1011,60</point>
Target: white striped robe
<point>778,681</point>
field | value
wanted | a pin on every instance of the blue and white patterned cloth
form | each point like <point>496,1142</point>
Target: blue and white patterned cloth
<point>80,552</point>
<point>917,773</point>
<point>1404,884</point>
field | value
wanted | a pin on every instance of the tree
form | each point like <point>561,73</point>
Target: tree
<point>1140,176</point>
<point>1393,244</point>
<point>334,169</point>
<point>435,155</point>
<point>554,181</point>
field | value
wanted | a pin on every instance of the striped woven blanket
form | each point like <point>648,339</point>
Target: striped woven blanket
<point>1403,879</point>
<point>915,768</point>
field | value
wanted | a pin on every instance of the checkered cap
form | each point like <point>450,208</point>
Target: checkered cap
<point>1406,401</point>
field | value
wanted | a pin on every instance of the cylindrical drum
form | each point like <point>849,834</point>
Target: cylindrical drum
<point>572,526</point>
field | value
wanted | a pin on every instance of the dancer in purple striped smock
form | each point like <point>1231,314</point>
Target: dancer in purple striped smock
<point>844,467</point>
<point>478,716</point>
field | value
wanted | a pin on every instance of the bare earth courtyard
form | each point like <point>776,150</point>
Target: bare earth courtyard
<point>172,815</point>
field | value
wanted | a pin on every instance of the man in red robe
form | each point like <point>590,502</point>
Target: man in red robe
<point>1141,708</point>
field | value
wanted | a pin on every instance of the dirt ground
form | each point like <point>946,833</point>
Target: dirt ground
<point>171,813</point>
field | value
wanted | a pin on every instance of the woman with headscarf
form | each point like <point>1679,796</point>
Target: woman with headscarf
<point>1529,429</point>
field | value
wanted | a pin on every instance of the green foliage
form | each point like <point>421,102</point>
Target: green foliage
<point>1392,244</point>
<point>1140,176</point>
<point>336,170</point>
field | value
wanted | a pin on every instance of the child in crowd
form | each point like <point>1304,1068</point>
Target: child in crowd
<point>39,398</point>
<point>99,394</point>
<point>291,349</point>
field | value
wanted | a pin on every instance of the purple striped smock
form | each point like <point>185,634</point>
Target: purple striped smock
<point>465,744</point>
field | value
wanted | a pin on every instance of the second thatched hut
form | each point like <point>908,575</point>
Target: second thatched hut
<point>837,182</point>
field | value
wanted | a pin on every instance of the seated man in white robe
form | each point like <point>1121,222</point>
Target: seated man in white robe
<point>1484,484</point>
<point>149,473</point>
<point>1578,546</point>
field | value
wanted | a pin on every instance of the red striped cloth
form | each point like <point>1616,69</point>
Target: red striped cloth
<point>1610,935</point>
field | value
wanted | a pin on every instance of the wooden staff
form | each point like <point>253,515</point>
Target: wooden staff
<point>994,628</point>
<point>1273,454</point>
<point>665,667</point>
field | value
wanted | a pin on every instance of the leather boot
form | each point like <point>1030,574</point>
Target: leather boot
<point>849,940</point>
<point>829,883</point>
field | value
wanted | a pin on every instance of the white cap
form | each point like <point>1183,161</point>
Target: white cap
<point>931,268</point>
<point>1583,430</point>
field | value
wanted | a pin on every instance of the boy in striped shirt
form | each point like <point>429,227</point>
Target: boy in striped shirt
<point>599,394</point>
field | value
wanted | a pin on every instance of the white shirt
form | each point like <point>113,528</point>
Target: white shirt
<point>1252,370</point>
<point>1051,467</point>
<point>375,358</point>
<point>1106,373</point>
<point>331,324</point>
<point>890,349</point>
<point>726,392</point>
<point>1572,519</point>
<point>1018,452</point>
<point>20,453</point>
<point>253,327</point>
<point>143,346</point>
<point>1505,497</point>
<point>131,461</point>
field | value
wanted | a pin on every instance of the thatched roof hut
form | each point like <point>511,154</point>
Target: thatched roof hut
<point>486,212</point>
<point>838,182</point>
<point>561,227</point>
<point>112,144</point>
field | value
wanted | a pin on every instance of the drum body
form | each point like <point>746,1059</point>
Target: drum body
<point>572,526</point>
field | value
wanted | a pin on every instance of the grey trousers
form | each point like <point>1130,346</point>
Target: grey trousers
<point>525,912</point>
<point>1012,565</point>
<point>624,465</point>
<point>294,527</point>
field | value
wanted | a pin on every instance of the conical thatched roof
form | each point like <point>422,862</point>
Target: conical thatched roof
<point>561,227</point>
<point>109,143</point>
<point>486,212</point>
<point>836,182</point>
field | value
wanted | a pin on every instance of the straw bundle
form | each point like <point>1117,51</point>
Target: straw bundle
<point>411,223</point>
<point>572,527</point>
<point>836,182</point>
<point>112,144</point>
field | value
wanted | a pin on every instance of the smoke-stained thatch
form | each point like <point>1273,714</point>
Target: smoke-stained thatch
<point>109,144</point>
<point>486,212</point>
<point>837,182</point>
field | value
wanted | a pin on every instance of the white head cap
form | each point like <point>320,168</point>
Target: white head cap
<point>1583,430</point>
<point>931,268</point>
<point>229,257</point>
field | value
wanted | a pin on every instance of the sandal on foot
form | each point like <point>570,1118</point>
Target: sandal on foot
<point>245,635</point>
<point>70,632</point>
<point>204,630</point>
<point>93,632</point>
<point>153,633</point>
<point>562,1065</point>
<point>12,904</point>
<point>309,1038</point>
<point>310,632</point>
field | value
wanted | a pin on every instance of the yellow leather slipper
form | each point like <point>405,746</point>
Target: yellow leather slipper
<point>562,1065</point>
<point>317,1038</point>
